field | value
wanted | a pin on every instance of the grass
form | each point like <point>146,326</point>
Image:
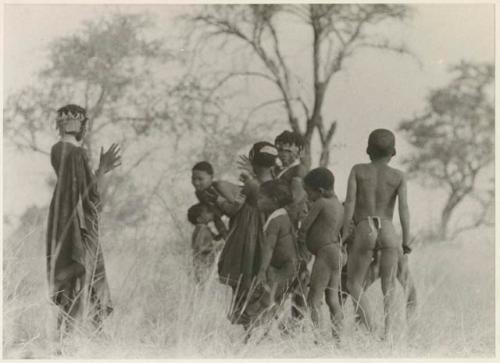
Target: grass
<point>161,313</point>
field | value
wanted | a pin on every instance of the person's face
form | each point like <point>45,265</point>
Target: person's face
<point>312,194</point>
<point>287,153</point>
<point>265,203</point>
<point>206,216</point>
<point>201,180</point>
<point>83,132</point>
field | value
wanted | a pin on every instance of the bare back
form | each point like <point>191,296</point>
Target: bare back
<point>377,187</point>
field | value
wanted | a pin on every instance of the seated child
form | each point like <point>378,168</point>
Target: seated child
<point>320,231</point>
<point>372,191</point>
<point>202,243</point>
<point>222,197</point>
<point>279,257</point>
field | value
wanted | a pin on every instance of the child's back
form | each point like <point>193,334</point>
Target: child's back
<point>376,190</point>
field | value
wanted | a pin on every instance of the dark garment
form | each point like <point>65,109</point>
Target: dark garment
<point>297,212</point>
<point>240,258</point>
<point>75,265</point>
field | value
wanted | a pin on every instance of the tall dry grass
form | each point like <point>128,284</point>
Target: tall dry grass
<point>161,313</point>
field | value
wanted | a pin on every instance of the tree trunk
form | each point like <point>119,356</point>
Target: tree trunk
<point>454,199</point>
<point>324,158</point>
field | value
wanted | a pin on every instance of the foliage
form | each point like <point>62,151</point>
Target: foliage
<point>338,33</point>
<point>453,137</point>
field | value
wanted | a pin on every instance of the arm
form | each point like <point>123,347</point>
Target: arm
<point>350,203</point>
<point>404,214</point>
<point>309,220</point>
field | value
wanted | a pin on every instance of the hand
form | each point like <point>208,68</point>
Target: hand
<point>244,164</point>
<point>110,159</point>
<point>245,177</point>
<point>406,249</point>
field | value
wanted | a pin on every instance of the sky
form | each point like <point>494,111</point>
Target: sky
<point>374,91</point>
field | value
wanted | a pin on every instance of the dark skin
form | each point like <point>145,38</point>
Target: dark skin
<point>320,230</point>
<point>372,191</point>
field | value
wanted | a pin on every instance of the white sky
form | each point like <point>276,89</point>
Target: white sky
<point>375,91</point>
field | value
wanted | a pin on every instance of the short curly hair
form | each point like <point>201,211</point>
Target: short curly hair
<point>277,189</point>
<point>381,143</point>
<point>320,178</point>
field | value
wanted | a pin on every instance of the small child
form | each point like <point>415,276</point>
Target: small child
<point>279,256</point>
<point>372,191</point>
<point>320,231</point>
<point>222,197</point>
<point>203,247</point>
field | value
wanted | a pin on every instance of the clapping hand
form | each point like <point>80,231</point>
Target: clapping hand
<point>110,159</point>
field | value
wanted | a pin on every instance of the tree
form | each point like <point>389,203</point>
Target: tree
<point>338,32</point>
<point>454,138</point>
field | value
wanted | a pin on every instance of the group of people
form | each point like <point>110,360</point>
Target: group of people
<point>264,231</point>
<point>283,215</point>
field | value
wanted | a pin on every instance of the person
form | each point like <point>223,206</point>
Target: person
<point>279,261</point>
<point>224,198</point>
<point>75,264</point>
<point>290,146</point>
<point>371,195</point>
<point>203,241</point>
<point>239,260</point>
<point>403,275</point>
<point>320,232</point>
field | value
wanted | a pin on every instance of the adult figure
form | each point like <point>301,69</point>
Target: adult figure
<point>75,264</point>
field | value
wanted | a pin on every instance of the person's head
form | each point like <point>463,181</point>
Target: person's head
<point>273,194</point>
<point>72,120</point>
<point>202,175</point>
<point>289,144</point>
<point>381,144</point>
<point>200,214</point>
<point>319,183</point>
<point>263,155</point>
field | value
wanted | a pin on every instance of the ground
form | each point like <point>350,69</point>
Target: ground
<point>160,313</point>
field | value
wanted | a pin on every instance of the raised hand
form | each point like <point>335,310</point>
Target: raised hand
<point>110,159</point>
<point>244,164</point>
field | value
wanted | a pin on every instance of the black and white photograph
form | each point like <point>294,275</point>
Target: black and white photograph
<point>267,181</point>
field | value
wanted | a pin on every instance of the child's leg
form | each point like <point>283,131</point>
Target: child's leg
<point>331,295</point>
<point>300,292</point>
<point>359,259</point>
<point>320,276</point>
<point>391,251</point>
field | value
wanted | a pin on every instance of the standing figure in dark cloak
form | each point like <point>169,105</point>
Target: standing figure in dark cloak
<point>240,259</point>
<point>75,265</point>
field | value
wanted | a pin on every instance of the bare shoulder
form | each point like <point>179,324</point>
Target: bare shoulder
<point>359,168</point>
<point>396,173</point>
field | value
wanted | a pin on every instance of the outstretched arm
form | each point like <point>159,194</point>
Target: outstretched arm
<point>350,203</point>
<point>404,214</point>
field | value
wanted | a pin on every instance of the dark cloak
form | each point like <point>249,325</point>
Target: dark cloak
<point>75,264</point>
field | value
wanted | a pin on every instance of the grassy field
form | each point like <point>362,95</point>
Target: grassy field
<point>160,313</point>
